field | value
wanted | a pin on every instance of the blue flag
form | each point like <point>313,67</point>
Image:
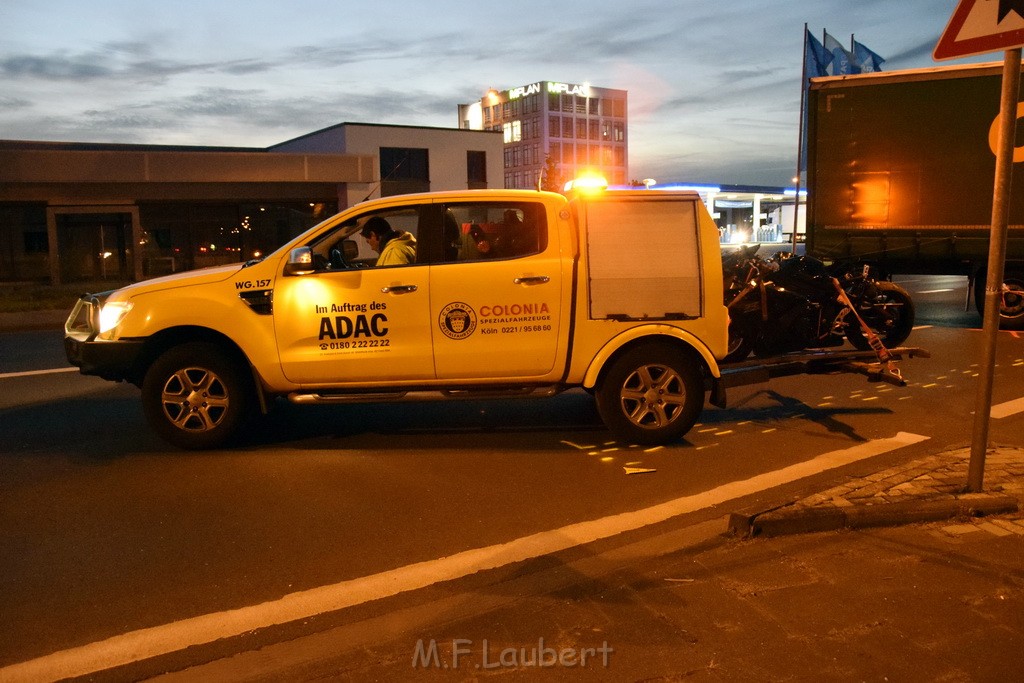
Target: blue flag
<point>816,57</point>
<point>865,60</point>
<point>842,61</point>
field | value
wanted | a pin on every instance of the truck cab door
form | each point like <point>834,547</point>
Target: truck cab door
<point>496,292</point>
<point>349,322</point>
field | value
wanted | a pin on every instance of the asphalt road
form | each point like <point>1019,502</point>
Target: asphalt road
<point>105,530</point>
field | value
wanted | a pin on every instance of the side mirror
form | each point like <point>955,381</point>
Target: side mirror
<point>300,262</point>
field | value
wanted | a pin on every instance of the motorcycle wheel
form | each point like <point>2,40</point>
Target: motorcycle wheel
<point>889,314</point>
<point>741,342</point>
<point>1011,308</point>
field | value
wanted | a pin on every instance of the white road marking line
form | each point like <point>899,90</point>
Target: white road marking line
<point>160,640</point>
<point>1008,408</point>
<point>30,373</point>
<point>936,291</point>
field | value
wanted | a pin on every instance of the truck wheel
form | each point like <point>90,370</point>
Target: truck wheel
<point>889,314</point>
<point>650,395</point>
<point>1011,306</point>
<point>195,396</point>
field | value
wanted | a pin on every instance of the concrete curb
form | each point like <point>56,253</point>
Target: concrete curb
<point>797,519</point>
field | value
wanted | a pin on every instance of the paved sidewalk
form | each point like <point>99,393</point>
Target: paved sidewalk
<point>929,489</point>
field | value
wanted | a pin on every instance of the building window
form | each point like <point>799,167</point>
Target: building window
<point>595,129</point>
<point>36,243</point>
<point>555,126</point>
<point>595,106</point>
<point>581,129</point>
<point>619,132</point>
<point>403,170</point>
<point>476,169</point>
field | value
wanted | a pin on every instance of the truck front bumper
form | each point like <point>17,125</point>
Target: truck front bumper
<point>111,360</point>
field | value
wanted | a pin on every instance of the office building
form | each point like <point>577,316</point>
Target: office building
<point>555,128</point>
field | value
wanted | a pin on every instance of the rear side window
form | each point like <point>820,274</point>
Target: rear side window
<point>493,230</point>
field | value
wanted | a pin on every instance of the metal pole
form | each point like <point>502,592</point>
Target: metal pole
<point>996,257</point>
<point>800,141</point>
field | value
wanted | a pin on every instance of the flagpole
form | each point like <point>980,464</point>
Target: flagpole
<point>800,141</point>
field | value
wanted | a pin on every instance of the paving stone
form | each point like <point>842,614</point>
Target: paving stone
<point>994,529</point>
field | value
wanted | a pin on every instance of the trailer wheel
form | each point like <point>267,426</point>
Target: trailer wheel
<point>889,314</point>
<point>195,396</point>
<point>1011,304</point>
<point>652,394</point>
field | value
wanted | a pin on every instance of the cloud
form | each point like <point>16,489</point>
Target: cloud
<point>53,67</point>
<point>115,62</point>
<point>8,103</point>
<point>912,55</point>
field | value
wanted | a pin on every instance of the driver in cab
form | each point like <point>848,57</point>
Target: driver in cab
<point>396,247</point>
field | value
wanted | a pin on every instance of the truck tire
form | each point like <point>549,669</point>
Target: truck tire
<point>651,394</point>
<point>890,315</point>
<point>1011,309</point>
<point>195,396</point>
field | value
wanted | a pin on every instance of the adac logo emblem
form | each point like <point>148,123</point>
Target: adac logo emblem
<point>457,320</point>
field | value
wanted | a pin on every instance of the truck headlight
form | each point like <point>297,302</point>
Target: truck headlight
<point>112,313</point>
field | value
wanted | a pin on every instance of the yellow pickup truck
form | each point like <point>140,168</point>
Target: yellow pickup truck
<point>497,293</point>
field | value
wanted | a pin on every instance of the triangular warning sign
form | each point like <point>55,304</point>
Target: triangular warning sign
<point>980,26</point>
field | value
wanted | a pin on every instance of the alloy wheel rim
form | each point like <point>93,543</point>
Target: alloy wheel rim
<point>653,396</point>
<point>195,399</point>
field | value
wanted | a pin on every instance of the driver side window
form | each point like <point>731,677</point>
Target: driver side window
<point>378,239</point>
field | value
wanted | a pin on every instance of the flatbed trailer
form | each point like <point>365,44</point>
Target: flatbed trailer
<point>875,366</point>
